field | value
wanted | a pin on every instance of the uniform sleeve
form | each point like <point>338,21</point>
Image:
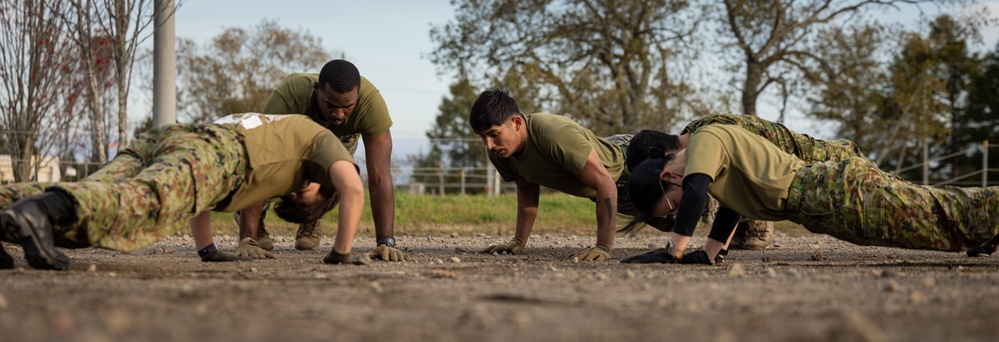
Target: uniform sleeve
<point>327,149</point>
<point>705,154</point>
<point>373,115</point>
<point>287,97</point>
<point>569,149</point>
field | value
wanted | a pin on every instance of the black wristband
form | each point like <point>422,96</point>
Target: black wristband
<point>208,249</point>
<point>388,240</point>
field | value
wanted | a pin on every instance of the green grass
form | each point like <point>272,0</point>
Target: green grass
<point>469,215</point>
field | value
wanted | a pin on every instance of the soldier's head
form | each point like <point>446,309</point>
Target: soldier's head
<point>638,148</point>
<point>654,185</point>
<point>496,118</point>
<point>336,91</point>
<point>307,204</point>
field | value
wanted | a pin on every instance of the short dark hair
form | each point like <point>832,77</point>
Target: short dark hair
<point>493,107</point>
<point>644,186</point>
<point>638,148</point>
<point>292,212</point>
<point>341,75</point>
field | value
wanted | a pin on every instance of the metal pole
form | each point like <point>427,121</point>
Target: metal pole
<point>164,65</point>
<point>926,161</point>
<point>985,163</point>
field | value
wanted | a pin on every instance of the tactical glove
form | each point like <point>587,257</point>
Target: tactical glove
<point>659,256</point>
<point>249,248</point>
<point>388,253</point>
<point>697,257</point>
<point>216,255</point>
<point>512,247</point>
<point>597,253</point>
<point>336,258</point>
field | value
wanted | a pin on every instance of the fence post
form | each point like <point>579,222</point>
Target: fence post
<point>985,163</point>
<point>490,173</point>
<point>440,178</point>
<point>462,180</point>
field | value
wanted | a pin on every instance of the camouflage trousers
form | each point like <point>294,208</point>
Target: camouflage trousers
<point>151,189</point>
<point>854,201</point>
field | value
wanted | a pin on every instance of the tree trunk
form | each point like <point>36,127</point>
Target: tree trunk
<point>751,86</point>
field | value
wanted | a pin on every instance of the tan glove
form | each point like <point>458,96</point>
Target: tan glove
<point>388,253</point>
<point>249,248</point>
<point>512,247</point>
<point>597,253</point>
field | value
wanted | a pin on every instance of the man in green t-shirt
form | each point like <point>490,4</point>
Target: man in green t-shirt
<point>850,199</point>
<point>556,152</point>
<point>174,175</point>
<point>339,99</point>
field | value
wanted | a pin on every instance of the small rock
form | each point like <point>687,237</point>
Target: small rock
<point>92,268</point>
<point>791,272</point>
<point>278,239</point>
<point>652,245</point>
<point>892,286</point>
<point>629,274</point>
<point>600,276</point>
<point>456,260</point>
<point>253,270</point>
<point>888,274</point>
<point>112,274</point>
<point>929,282</point>
<point>770,272</point>
<point>736,270</point>
<point>361,259</point>
<point>575,259</point>
<point>3,302</point>
<point>917,297</point>
<point>453,235</point>
<point>459,250</point>
<point>766,259</point>
<point>552,268</point>
<point>817,256</point>
<point>320,276</point>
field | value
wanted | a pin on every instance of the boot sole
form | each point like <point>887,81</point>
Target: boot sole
<point>6,261</point>
<point>39,256</point>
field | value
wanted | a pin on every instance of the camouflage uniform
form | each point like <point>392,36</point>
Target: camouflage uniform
<point>151,189</point>
<point>854,201</point>
<point>756,234</point>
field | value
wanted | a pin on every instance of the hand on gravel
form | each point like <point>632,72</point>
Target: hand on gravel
<point>249,248</point>
<point>596,253</point>
<point>512,247</point>
<point>337,258</point>
<point>220,256</point>
<point>388,253</point>
<point>659,256</point>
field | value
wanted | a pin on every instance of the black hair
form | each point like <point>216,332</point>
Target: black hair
<point>493,107</point>
<point>638,148</point>
<point>644,186</point>
<point>292,212</point>
<point>341,75</point>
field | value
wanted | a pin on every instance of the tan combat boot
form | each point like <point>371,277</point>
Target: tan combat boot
<point>752,235</point>
<point>263,237</point>
<point>308,235</point>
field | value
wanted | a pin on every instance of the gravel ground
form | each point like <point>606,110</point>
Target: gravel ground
<point>811,288</point>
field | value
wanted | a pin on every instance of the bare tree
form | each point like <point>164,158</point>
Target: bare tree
<point>36,61</point>
<point>614,66</point>
<point>775,38</point>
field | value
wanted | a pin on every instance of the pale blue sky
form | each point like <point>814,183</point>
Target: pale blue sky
<point>388,41</point>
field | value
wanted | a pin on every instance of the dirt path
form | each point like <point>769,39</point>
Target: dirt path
<point>451,293</point>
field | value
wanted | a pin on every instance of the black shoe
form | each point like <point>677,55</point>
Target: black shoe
<point>6,261</point>
<point>28,222</point>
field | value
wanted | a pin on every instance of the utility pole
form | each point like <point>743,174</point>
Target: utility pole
<point>164,64</point>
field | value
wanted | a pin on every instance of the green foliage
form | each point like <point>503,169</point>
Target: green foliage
<point>612,66</point>
<point>236,71</point>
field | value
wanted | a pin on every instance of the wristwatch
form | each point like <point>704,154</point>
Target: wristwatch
<point>388,241</point>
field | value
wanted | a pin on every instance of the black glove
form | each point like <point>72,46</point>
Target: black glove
<point>336,258</point>
<point>697,257</point>
<point>215,255</point>
<point>659,256</point>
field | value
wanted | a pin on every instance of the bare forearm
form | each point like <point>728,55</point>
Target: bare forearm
<point>525,223</point>
<point>383,206</point>
<point>349,217</point>
<point>606,212</point>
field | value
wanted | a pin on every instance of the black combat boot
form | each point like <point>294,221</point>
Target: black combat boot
<point>30,221</point>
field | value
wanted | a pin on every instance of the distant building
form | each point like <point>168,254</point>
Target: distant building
<point>48,170</point>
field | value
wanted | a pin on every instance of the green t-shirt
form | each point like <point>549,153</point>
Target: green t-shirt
<point>285,153</point>
<point>555,153</point>
<point>296,95</point>
<point>750,175</point>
